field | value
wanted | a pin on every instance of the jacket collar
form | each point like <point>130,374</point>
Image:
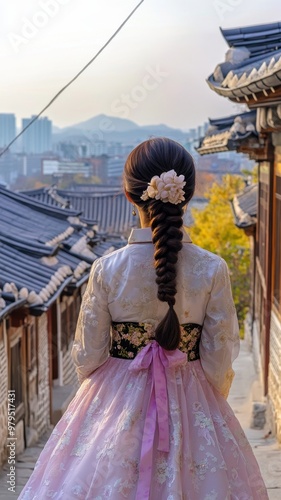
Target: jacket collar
<point>144,235</point>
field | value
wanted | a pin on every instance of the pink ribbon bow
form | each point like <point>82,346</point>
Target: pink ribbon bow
<point>157,414</point>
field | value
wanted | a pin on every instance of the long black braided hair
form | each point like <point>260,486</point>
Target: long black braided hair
<point>152,158</point>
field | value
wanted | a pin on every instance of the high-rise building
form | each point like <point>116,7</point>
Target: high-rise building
<point>7,128</point>
<point>115,167</point>
<point>38,137</point>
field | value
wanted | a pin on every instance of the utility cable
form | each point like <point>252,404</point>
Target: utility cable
<point>73,79</point>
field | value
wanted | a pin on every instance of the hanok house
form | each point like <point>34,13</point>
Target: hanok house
<point>245,209</point>
<point>251,75</point>
<point>44,266</point>
<point>104,205</point>
<point>238,133</point>
<point>229,134</point>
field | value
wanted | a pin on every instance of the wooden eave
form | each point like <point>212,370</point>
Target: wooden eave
<point>263,98</point>
<point>269,130</point>
<point>254,153</point>
<point>250,231</point>
<point>260,150</point>
<point>251,147</point>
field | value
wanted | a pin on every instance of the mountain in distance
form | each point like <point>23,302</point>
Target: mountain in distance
<point>161,126</point>
<point>119,124</point>
<point>112,128</point>
<point>55,130</point>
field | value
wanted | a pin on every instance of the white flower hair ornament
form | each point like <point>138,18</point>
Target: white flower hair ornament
<point>167,188</point>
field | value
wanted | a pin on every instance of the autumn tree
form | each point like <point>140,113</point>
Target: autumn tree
<point>203,181</point>
<point>214,230</point>
<point>253,174</point>
<point>81,179</point>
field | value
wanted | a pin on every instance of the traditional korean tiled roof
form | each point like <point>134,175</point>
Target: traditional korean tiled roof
<point>26,220</point>
<point>245,207</point>
<point>257,39</point>
<point>8,303</point>
<point>40,205</point>
<point>113,212</point>
<point>109,209</point>
<point>225,134</point>
<point>58,197</point>
<point>41,253</point>
<point>269,118</point>
<point>252,70</point>
<point>30,277</point>
<point>105,247</point>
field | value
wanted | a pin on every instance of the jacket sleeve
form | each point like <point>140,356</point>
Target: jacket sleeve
<point>92,337</point>
<point>220,341</point>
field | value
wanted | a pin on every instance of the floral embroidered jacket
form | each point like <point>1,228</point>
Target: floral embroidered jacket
<point>122,289</point>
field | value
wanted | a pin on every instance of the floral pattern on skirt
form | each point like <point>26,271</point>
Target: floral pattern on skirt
<point>94,451</point>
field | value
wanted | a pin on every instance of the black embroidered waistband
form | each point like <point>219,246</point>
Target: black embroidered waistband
<point>129,338</point>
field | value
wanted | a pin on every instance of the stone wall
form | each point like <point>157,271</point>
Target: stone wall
<point>274,377</point>
<point>256,353</point>
<point>34,364</point>
<point>71,305</point>
<point>248,326</point>
<point>69,373</point>
<point>42,420</point>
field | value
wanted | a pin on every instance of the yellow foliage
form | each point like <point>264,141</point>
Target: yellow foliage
<point>81,179</point>
<point>214,230</point>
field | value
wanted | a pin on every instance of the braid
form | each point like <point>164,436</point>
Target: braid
<point>166,223</point>
<point>152,158</point>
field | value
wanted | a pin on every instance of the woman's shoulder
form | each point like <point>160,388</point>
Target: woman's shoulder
<point>198,252</point>
<point>199,261</point>
<point>110,256</point>
<point>114,259</point>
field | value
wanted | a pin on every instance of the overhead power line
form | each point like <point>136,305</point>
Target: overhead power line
<point>73,79</point>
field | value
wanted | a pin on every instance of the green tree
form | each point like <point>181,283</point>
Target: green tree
<point>214,230</point>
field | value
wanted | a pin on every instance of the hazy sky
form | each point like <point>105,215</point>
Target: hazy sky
<point>153,72</point>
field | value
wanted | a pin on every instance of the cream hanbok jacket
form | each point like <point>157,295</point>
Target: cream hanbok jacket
<point>122,288</point>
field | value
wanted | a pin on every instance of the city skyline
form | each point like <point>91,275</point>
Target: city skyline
<point>151,76</point>
<point>102,122</point>
<point>7,128</point>
<point>38,137</point>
